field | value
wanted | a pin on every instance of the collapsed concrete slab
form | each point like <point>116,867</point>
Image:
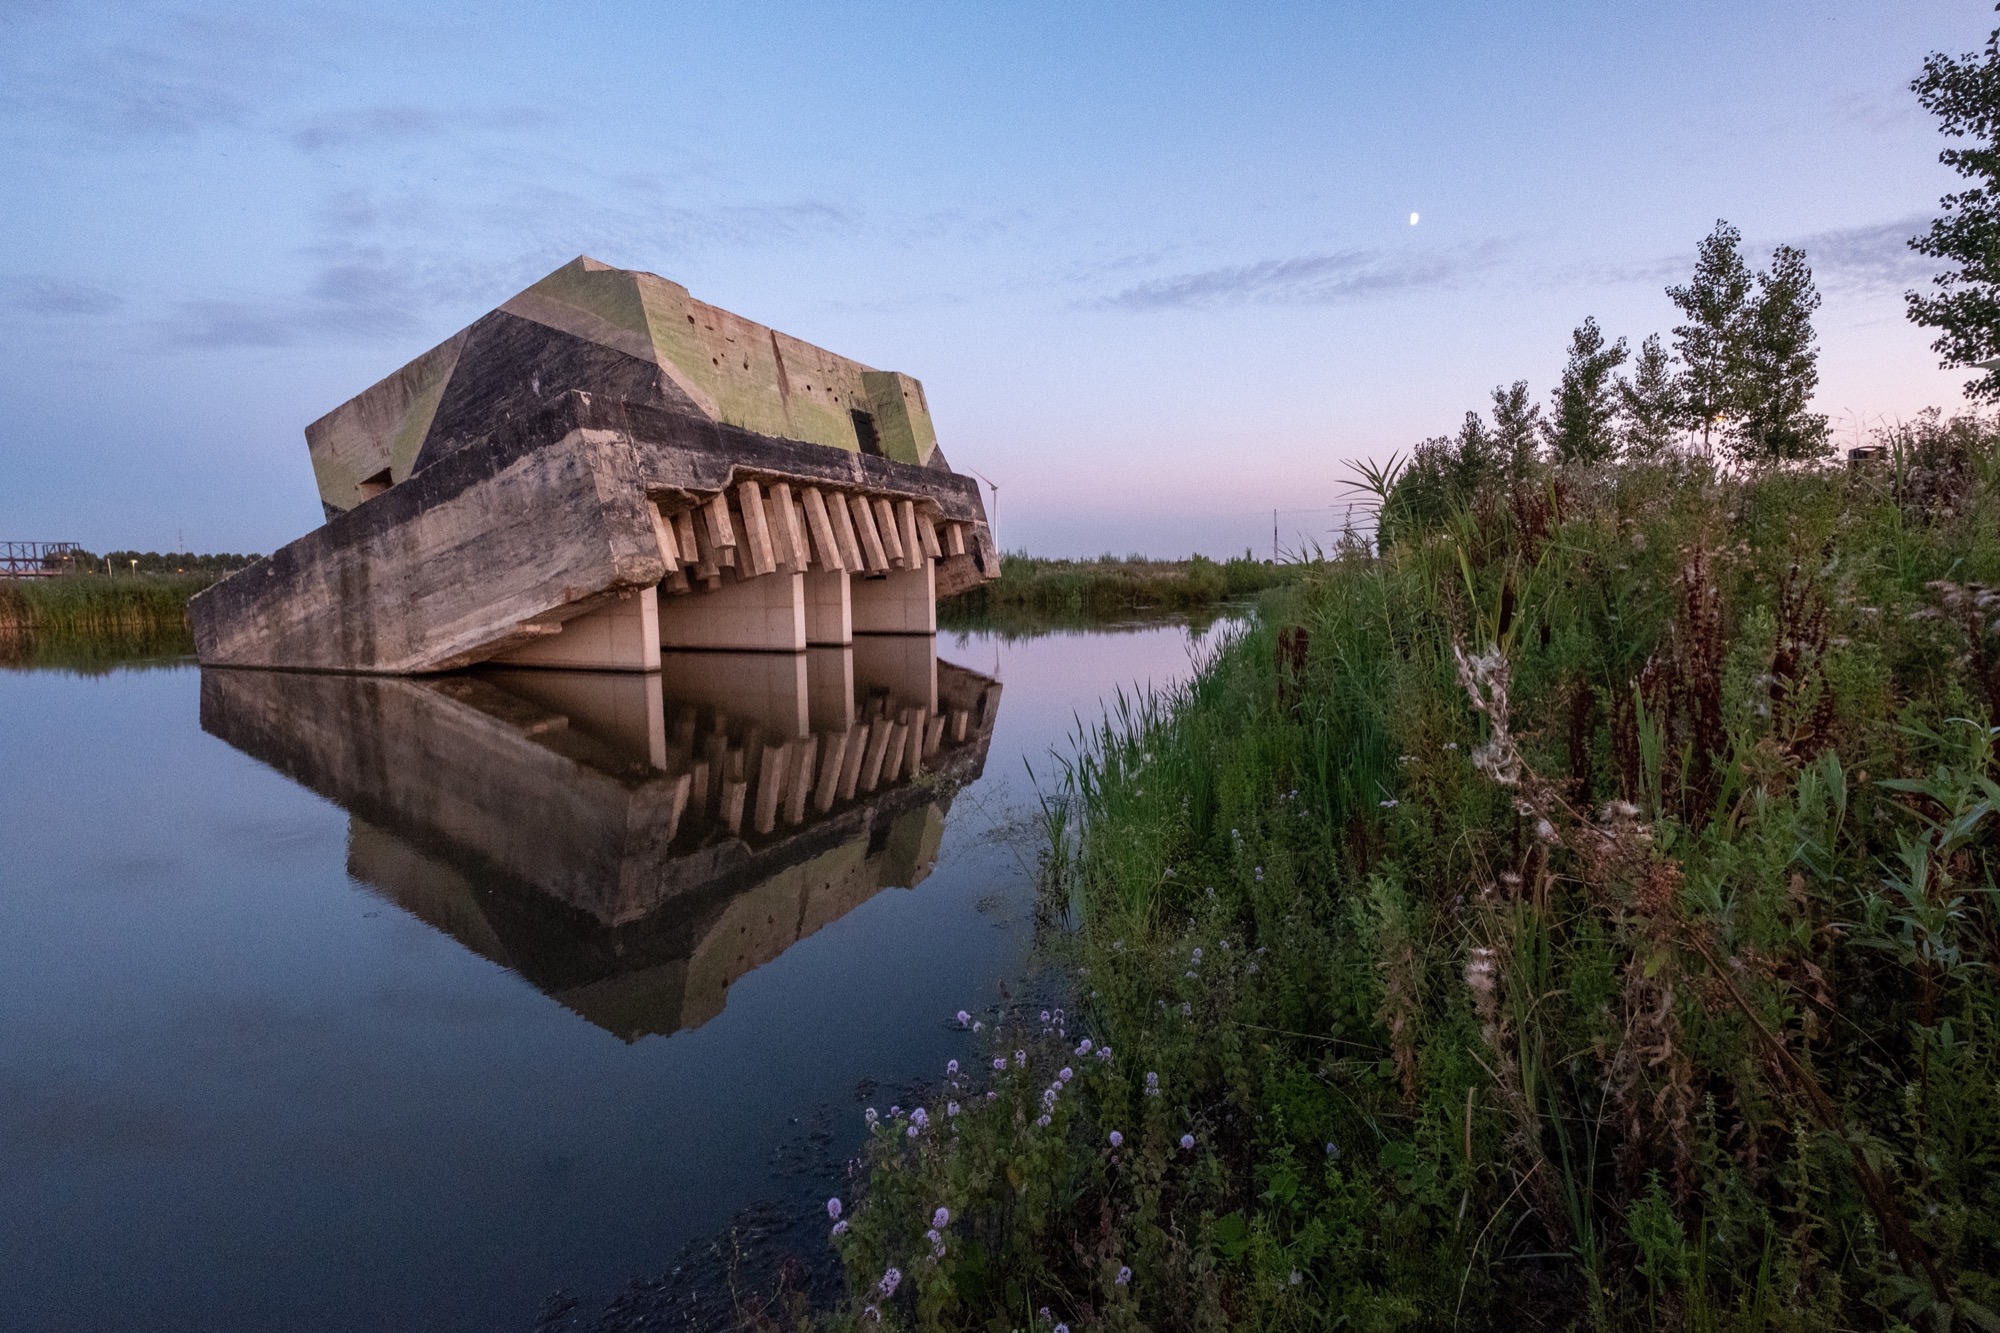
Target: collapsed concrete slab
<point>600,466</point>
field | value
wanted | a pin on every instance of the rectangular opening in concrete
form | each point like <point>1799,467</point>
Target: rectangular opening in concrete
<point>370,487</point>
<point>864,432</point>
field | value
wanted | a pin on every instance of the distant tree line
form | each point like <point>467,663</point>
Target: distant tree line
<point>214,564</point>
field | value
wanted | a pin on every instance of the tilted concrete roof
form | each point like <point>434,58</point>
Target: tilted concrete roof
<point>620,334</point>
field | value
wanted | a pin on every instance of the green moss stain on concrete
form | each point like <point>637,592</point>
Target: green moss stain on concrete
<point>734,370</point>
<point>902,418</point>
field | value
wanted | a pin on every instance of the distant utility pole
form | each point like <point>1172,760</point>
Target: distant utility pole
<point>1274,536</point>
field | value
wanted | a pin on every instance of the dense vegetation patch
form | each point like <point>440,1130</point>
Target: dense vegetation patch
<point>105,617</point>
<point>1108,586</point>
<point>1579,913</point>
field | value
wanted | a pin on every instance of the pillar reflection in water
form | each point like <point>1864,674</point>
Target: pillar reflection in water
<point>631,844</point>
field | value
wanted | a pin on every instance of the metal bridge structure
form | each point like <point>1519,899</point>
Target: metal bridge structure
<point>37,560</point>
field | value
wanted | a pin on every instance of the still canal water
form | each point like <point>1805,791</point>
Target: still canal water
<point>336,1003</point>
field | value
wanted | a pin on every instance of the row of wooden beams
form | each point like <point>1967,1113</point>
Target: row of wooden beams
<point>758,530</point>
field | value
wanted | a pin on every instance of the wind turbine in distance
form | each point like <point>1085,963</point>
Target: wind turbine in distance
<point>994,487</point>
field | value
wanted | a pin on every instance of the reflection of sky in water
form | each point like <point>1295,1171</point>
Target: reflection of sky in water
<point>242,1089</point>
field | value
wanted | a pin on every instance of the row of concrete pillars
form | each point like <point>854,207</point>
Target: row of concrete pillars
<point>779,613</point>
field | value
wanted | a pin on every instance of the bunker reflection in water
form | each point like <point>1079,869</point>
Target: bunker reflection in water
<point>631,845</point>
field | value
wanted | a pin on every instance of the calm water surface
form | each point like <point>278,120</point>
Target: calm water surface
<point>330,1003</point>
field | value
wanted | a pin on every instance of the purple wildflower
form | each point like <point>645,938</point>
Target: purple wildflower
<point>964,1018</point>
<point>999,1062</point>
<point>941,1218</point>
<point>871,1313</point>
<point>1021,1058</point>
<point>1065,1073</point>
<point>840,1227</point>
<point>833,1209</point>
<point>1117,1139</point>
<point>951,1066</point>
<point>1124,1276</point>
<point>891,1279</point>
<point>1187,1142</point>
<point>920,1117</point>
<point>1083,1047</point>
<point>951,1108</point>
<point>1043,1121</point>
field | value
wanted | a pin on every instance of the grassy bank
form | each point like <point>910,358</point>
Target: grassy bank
<point>1588,923</point>
<point>100,617</point>
<point>1109,587</point>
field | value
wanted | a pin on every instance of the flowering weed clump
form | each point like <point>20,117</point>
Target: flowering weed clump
<point>1581,913</point>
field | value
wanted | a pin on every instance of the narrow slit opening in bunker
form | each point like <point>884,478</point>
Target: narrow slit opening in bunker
<point>370,487</point>
<point>864,431</point>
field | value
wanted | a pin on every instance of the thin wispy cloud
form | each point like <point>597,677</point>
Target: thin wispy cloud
<point>364,126</point>
<point>1311,280</point>
<point>60,297</point>
<point>1874,256</point>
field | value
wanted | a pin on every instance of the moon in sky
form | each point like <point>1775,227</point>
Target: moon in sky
<point>1413,219</point>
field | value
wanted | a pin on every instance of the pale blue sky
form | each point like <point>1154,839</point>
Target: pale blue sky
<point>1153,262</point>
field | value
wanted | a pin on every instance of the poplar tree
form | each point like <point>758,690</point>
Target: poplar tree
<point>1651,409</point>
<point>1586,400</point>
<point>1964,94</point>
<point>1709,345</point>
<point>1517,427</point>
<point>1778,367</point>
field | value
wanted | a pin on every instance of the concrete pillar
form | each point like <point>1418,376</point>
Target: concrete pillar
<point>765,614</point>
<point>903,666</point>
<point>767,689</point>
<point>829,608</point>
<point>625,709</point>
<point>830,683</point>
<point>903,601</point>
<point>621,636</point>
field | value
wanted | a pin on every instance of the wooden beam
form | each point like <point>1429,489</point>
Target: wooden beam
<point>800,785</point>
<point>721,532</point>
<point>954,538</point>
<point>788,538</point>
<point>825,544</point>
<point>885,524</point>
<point>663,533</point>
<point>843,529</point>
<point>850,767</point>
<point>684,532</point>
<point>871,537</point>
<point>756,530</point>
<point>906,532</point>
<point>705,567</point>
<point>927,532</point>
<point>833,756</point>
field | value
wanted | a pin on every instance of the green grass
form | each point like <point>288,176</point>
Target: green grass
<point>95,619</point>
<point>1108,587</point>
<point>1592,925</point>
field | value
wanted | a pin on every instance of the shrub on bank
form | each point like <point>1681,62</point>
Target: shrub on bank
<point>1588,920</point>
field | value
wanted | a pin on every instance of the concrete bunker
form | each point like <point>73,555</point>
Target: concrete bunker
<point>603,467</point>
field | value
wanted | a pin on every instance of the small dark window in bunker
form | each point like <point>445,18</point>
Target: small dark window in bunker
<point>370,487</point>
<point>864,431</point>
